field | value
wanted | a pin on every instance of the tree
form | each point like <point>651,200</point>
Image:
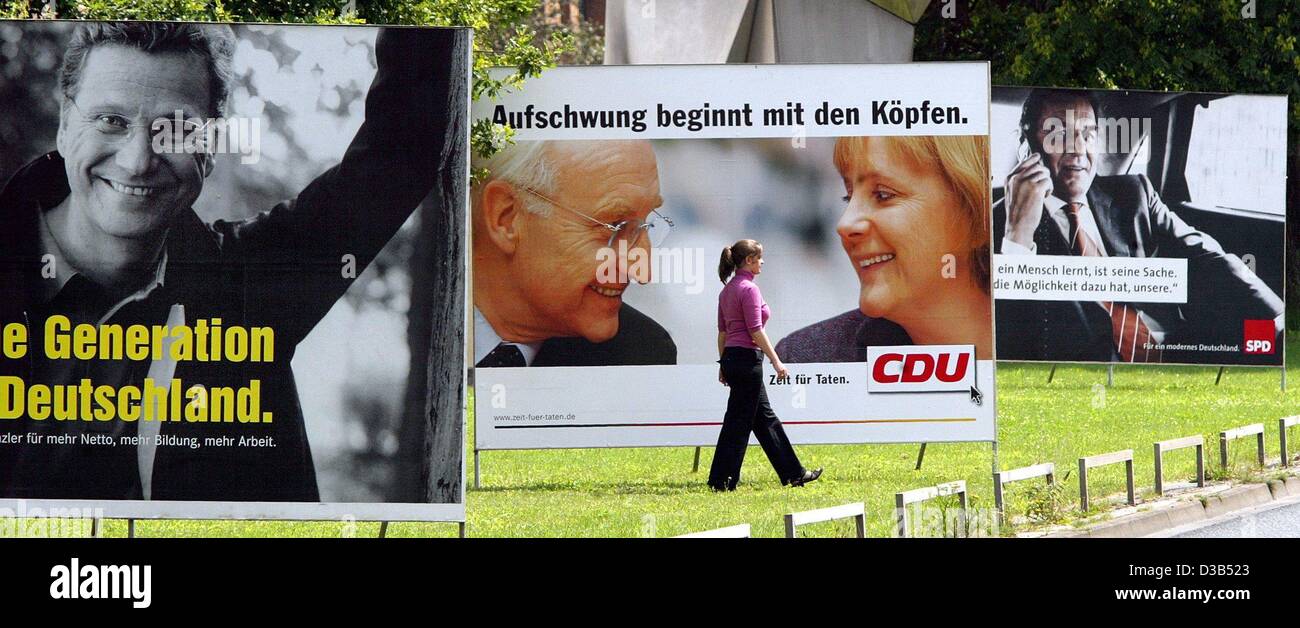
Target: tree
<point>1243,46</point>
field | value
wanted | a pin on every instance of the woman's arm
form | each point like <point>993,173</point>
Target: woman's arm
<point>722,343</point>
<point>760,338</point>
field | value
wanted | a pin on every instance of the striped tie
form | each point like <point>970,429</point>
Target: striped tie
<point>1130,334</point>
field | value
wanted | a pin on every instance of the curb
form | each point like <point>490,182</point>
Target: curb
<point>1201,509</point>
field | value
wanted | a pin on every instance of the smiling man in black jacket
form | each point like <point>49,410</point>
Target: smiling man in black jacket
<point>102,232</point>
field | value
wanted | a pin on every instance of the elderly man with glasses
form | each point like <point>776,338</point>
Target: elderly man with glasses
<point>547,219</point>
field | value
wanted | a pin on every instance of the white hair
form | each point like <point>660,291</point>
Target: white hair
<point>525,165</point>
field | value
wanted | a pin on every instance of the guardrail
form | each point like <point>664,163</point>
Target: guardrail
<point>1175,444</point>
<point>1002,478</point>
<point>1227,436</point>
<point>1099,460</point>
<point>856,511</point>
<point>915,496</point>
<point>740,531</point>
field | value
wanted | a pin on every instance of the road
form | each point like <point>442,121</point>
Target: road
<point>1276,520</point>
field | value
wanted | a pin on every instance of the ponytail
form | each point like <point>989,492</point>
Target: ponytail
<point>734,256</point>
<point>725,265</point>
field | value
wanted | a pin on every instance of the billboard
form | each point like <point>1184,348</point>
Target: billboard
<point>233,260</point>
<point>1139,227</point>
<point>867,186</point>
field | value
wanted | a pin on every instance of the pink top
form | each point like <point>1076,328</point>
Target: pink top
<point>741,310</point>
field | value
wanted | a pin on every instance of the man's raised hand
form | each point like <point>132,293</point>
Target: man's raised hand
<point>1027,186</point>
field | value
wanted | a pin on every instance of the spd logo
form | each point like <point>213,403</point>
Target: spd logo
<point>929,368</point>
<point>1258,337</point>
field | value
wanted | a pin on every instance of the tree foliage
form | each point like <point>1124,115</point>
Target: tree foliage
<point>1239,46</point>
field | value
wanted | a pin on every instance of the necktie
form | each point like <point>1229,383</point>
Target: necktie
<point>503,355</point>
<point>1128,331</point>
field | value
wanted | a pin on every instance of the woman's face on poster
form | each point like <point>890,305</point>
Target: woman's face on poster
<point>901,223</point>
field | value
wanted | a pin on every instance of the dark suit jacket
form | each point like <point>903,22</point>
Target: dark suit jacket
<point>280,269</point>
<point>1133,222</point>
<point>640,340</point>
<point>844,338</point>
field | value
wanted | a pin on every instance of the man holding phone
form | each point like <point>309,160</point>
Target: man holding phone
<point>1055,204</point>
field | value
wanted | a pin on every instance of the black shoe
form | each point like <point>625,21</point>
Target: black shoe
<point>808,476</point>
<point>725,486</point>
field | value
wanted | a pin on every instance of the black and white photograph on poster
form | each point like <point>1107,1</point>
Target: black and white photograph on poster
<point>849,222</point>
<point>234,264</point>
<point>1139,227</point>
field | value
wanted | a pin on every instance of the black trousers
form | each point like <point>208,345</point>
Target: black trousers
<point>748,411</point>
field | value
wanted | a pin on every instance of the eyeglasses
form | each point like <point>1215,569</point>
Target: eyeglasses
<point>114,128</point>
<point>654,228</point>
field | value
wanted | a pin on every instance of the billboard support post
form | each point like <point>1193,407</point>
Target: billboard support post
<point>920,457</point>
<point>1283,378</point>
<point>1220,375</point>
<point>1051,374</point>
<point>130,528</point>
<point>696,466</point>
<point>476,484</point>
<point>1110,375</point>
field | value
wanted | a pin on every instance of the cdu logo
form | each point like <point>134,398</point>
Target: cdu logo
<point>930,368</point>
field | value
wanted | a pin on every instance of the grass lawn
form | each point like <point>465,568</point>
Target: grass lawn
<point>652,492</point>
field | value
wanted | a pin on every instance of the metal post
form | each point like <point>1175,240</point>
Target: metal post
<point>476,484</point>
<point>1281,436</point>
<point>1132,498</point>
<point>1283,378</point>
<point>962,532</point>
<point>1200,466</point>
<point>383,529</point>
<point>1220,375</point>
<point>1160,483</point>
<point>130,528</point>
<point>1083,485</point>
<point>920,456</point>
<point>1110,375</point>
<point>997,497</point>
<point>900,515</point>
<point>1263,459</point>
<point>462,529</point>
<point>1051,374</point>
<point>96,526</point>
<point>696,467</point>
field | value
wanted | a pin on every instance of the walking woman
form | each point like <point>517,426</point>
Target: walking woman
<point>742,343</point>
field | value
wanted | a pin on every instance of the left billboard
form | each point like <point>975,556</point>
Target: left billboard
<point>233,266</point>
<point>596,235</point>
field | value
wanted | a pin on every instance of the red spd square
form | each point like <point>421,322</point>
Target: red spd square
<point>1258,337</point>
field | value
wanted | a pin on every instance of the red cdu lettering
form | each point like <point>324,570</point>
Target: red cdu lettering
<point>958,371</point>
<point>878,373</point>
<point>910,373</point>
